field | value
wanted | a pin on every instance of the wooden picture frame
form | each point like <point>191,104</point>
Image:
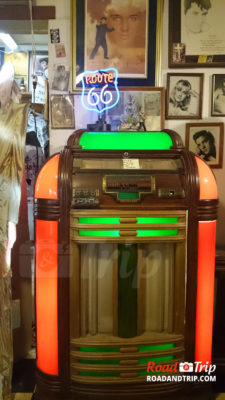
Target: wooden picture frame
<point>184,96</point>
<point>62,111</point>
<point>196,35</point>
<point>206,141</point>
<point>218,95</point>
<point>137,105</point>
<point>86,15</point>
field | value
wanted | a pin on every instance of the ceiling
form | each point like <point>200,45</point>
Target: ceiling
<point>20,30</point>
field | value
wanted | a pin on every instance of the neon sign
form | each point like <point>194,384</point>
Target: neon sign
<point>96,94</point>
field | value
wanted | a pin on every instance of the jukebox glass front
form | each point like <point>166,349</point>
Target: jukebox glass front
<point>128,266</point>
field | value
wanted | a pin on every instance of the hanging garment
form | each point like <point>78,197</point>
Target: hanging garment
<point>13,124</point>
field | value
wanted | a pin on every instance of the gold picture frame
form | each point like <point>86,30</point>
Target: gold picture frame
<point>153,46</point>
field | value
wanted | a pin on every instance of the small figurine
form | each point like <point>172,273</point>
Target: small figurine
<point>142,118</point>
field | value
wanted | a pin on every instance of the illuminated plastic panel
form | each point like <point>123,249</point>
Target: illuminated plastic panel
<point>140,233</point>
<point>47,272</point>
<point>206,268</point>
<point>47,295</point>
<point>207,183</point>
<point>126,140</point>
<point>46,186</point>
<point>116,220</point>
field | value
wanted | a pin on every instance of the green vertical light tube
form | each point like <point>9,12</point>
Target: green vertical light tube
<point>127,290</point>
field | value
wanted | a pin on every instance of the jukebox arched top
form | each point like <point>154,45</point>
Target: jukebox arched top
<point>46,186</point>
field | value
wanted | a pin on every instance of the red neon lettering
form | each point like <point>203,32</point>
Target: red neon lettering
<point>87,78</point>
<point>158,368</point>
<point>100,78</point>
<point>94,79</point>
<point>110,78</point>
<point>103,78</point>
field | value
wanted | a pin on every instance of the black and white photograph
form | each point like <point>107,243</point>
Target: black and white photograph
<point>184,96</point>
<point>62,112</point>
<point>218,95</point>
<point>199,24</point>
<point>202,26</point>
<point>41,74</point>
<point>206,141</point>
<point>54,35</point>
<point>61,78</point>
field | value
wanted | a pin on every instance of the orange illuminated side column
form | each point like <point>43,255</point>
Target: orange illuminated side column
<point>46,260</point>
<point>46,296</point>
<point>205,290</point>
<point>206,268</point>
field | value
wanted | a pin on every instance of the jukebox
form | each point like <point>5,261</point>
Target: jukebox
<point>125,248</point>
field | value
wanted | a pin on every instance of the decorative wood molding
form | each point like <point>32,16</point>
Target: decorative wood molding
<point>21,12</point>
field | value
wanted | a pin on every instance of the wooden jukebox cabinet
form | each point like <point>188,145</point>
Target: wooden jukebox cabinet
<point>125,239</point>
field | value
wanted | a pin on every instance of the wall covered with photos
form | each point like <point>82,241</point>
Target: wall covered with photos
<point>60,63</point>
<point>179,125</point>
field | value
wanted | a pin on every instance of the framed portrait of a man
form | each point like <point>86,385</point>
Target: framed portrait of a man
<point>206,141</point>
<point>198,27</point>
<point>116,34</point>
<point>184,96</point>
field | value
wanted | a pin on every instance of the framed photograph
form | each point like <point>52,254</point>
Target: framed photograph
<point>206,141</point>
<point>196,33</point>
<point>218,95</point>
<point>184,96</point>
<point>41,72</point>
<point>116,34</point>
<point>62,112</point>
<point>138,108</point>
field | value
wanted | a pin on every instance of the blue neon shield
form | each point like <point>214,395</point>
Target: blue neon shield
<point>102,96</point>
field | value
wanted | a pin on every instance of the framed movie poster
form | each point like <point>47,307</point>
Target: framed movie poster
<point>184,96</point>
<point>116,34</point>
<point>206,141</point>
<point>196,33</point>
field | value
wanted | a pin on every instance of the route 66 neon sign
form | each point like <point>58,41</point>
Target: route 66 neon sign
<point>96,94</point>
